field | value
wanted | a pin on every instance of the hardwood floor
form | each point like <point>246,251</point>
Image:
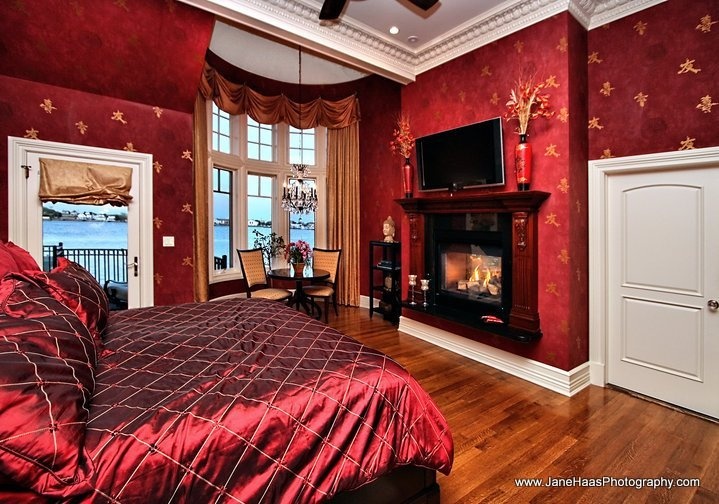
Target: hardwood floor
<point>506,428</point>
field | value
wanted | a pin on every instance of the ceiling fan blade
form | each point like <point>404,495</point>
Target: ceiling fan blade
<point>331,9</point>
<point>424,4</point>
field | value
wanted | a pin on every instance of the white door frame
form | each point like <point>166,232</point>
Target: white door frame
<point>599,172</point>
<point>19,222</point>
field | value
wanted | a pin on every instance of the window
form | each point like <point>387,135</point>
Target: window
<point>222,221</point>
<point>250,164</point>
<point>260,140</point>
<point>220,130</point>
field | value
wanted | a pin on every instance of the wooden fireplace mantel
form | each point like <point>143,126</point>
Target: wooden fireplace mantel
<point>523,317</point>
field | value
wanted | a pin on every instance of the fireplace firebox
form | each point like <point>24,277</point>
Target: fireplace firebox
<point>470,257</point>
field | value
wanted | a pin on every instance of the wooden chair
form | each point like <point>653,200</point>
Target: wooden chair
<point>327,260</point>
<point>253,269</point>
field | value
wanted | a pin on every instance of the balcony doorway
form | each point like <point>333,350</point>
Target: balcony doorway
<point>113,243</point>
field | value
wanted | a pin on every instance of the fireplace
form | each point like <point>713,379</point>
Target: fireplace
<point>469,257</point>
<point>480,254</point>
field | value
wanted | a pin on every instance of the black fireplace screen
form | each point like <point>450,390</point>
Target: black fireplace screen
<point>471,272</point>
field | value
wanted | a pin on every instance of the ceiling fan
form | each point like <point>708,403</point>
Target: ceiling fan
<point>331,9</point>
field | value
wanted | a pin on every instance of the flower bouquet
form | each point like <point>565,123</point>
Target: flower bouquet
<point>298,251</point>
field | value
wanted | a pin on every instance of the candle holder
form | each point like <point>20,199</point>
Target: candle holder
<point>424,287</point>
<point>412,284</point>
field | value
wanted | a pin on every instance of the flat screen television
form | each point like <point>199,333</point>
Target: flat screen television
<point>468,156</point>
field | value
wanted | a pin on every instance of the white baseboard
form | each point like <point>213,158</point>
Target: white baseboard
<point>558,380</point>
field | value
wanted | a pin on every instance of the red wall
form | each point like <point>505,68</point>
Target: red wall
<point>165,137</point>
<point>475,87</point>
<point>643,54</point>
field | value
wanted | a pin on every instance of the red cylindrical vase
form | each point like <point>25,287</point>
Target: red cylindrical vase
<point>407,178</point>
<point>523,163</point>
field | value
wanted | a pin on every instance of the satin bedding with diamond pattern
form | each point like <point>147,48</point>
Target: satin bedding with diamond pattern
<point>250,401</point>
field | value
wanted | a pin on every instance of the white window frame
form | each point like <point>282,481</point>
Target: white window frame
<point>241,166</point>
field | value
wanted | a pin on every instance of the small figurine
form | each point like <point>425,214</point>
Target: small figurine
<point>388,229</point>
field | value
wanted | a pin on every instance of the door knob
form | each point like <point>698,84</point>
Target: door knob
<point>713,304</point>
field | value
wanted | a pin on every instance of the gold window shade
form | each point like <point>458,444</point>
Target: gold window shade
<point>91,184</point>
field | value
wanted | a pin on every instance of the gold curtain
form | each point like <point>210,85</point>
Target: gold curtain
<point>343,207</point>
<point>201,185</point>
<point>341,117</point>
<point>84,183</point>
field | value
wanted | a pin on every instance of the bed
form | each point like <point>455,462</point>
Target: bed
<point>242,400</point>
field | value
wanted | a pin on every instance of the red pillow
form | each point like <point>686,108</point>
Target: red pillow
<point>46,385</point>
<point>76,288</point>
<point>22,257</point>
<point>7,261</point>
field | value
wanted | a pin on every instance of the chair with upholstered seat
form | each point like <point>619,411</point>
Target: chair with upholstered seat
<point>327,289</point>
<point>253,269</point>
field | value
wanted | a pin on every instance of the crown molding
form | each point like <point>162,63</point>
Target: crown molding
<point>359,45</point>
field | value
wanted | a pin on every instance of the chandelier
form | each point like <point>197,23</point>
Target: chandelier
<point>300,197</point>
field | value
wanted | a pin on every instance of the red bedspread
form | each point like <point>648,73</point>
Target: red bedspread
<point>250,401</point>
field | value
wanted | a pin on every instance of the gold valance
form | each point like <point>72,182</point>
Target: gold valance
<point>91,184</point>
<point>239,99</point>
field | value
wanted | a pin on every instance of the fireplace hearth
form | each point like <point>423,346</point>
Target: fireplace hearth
<point>480,254</point>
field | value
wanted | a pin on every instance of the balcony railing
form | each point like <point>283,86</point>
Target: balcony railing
<point>103,264</point>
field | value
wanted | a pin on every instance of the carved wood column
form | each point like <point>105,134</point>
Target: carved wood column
<point>524,312</point>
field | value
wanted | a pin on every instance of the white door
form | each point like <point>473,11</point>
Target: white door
<point>26,210</point>
<point>662,229</point>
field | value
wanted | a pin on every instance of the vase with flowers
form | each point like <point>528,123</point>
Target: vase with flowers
<point>297,252</point>
<point>402,143</point>
<point>526,102</point>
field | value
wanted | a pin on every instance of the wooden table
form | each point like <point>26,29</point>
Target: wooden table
<point>301,278</point>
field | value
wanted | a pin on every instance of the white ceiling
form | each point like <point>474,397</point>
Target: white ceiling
<point>360,42</point>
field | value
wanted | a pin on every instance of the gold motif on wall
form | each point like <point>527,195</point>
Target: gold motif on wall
<point>129,147</point>
<point>187,154</point>
<point>594,123</point>
<point>494,99</point>
<point>81,126</point>
<point>552,219</point>
<point>157,166</point>
<point>158,278</point>
<point>606,89</point>
<point>563,185</point>
<point>519,46</point>
<point>579,275</point>
<point>594,58</point>
<point>187,261</point>
<point>486,72</point>
<point>462,95</point>
<point>578,205</point>
<point>118,116</point>
<point>563,45</point>
<point>158,222</point>
<point>563,256</point>
<point>158,111</point>
<point>705,24</point>
<point>563,114</point>
<point>687,144</point>
<point>187,208</point>
<point>706,104</point>
<point>641,98</point>
<point>688,66</point>
<point>640,27</point>
<point>552,289</point>
<point>551,82</point>
<point>31,133</point>
<point>46,105</point>
<point>551,151</point>
<point>564,326</point>
<point>606,154</point>
<point>122,4</point>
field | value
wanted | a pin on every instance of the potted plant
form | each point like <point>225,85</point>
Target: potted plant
<point>297,252</point>
<point>271,245</point>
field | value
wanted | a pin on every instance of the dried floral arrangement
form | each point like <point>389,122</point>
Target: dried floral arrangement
<point>527,102</point>
<point>402,141</point>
